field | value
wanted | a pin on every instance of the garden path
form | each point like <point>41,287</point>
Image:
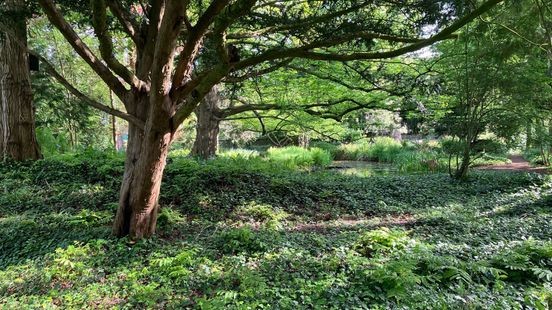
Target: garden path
<point>518,164</point>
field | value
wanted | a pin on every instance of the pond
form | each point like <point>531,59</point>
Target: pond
<point>363,168</point>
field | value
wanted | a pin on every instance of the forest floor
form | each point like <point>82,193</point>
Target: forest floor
<point>247,234</point>
<point>518,164</point>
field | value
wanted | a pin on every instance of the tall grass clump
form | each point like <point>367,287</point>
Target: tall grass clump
<point>406,156</point>
<point>294,156</point>
<point>240,153</point>
<point>420,161</point>
<point>334,149</point>
<point>386,149</point>
<point>383,149</point>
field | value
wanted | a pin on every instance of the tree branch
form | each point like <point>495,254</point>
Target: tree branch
<point>193,41</point>
<point>99,22</point>
<point>162,67</point>
<point>300,24</point>
<point>309,109</point>
<point>252,74</point>
<point>85,99</point>
<point>83,50</point>
<point>146,55</point>
<point>130,26</point>
<point>305,51</point>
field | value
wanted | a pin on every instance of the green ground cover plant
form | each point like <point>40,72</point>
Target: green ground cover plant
<point>238,233</point>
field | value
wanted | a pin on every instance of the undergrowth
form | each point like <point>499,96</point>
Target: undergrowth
<point>237,233</point>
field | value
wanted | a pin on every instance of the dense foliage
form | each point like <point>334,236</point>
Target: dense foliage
<point>247,233</point>
<point>332,130</point>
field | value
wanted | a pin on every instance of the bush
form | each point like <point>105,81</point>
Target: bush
<point>526,261</point>
<point>420,161</point>
<point>383,240</point>
<point>240,153</point>
<point>333,149</point>
<point>265,214</point>
<point>238,240</point>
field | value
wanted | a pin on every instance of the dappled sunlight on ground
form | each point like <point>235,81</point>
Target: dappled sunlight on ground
<point>238,237</point>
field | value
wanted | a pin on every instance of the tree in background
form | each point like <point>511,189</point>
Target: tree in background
<point>496,81</point>
<point>17,125</point>
<point>64,123</point>
<point>300,91</point>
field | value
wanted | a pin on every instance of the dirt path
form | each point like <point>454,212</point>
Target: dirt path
<point>518,164</point>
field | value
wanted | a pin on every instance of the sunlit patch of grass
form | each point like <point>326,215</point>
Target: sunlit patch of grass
<point>243,153</point>
<point>294,156</point>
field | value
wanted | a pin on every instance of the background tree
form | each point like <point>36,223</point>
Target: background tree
<point>17,126</point>
<point>495,81</point>
<point>64,122</point>
<point>296,90</point>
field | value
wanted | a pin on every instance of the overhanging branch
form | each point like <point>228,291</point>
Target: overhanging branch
<point>82,49</point>
<point>307,53</point>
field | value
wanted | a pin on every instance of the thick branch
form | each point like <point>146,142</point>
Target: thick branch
<point>99,22</point>
<point>130,26</point>
<point>83,50</point>
<point>193,42</point>
<point>155,14</point>
<point>164,50</point>
<point>198,88</point>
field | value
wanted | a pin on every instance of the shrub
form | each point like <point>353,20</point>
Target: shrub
<point>383,240</point>
<point>527,261</point>
<point>265,214</point>
<point>169,217</point>
<point>417,161</point>
<point>383,149</point>
<point>320,157</point>
<point>333,149</point>
<point>238,240</point>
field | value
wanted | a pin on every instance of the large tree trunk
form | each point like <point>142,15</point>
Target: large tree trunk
<point>17,126</point>
<point>208,126</point>
<point>145,162</point>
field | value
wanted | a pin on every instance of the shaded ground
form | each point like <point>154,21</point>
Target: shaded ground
<point>233,234</point>
<point>518,164</point>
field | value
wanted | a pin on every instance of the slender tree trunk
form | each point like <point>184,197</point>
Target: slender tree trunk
<point>546,148</point>
<point>462,171</point>
<point>529,136</point>
<point>17,125</point>
<point>72,144</point>
<point>208,127</point>
<point>113,122</point>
